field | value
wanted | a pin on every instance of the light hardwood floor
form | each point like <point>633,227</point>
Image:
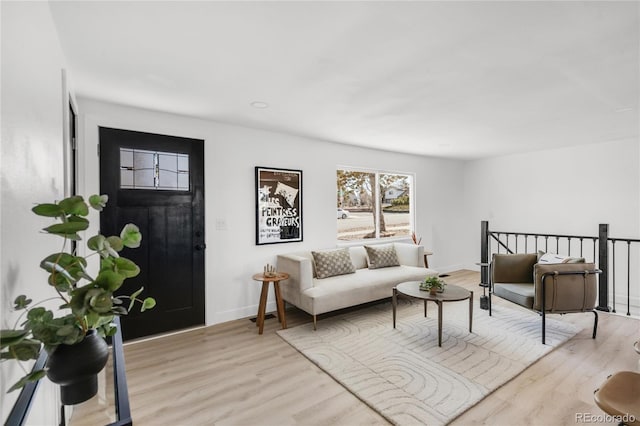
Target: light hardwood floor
<point>227,374</point>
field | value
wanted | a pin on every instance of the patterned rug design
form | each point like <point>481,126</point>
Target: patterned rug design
<point>403,374</point>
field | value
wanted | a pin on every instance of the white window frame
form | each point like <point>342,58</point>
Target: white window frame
<point>412,204</point>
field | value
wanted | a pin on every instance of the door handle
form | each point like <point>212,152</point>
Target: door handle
<point>200,246</point>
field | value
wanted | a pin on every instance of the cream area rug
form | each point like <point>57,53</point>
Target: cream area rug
<point>403,374</point>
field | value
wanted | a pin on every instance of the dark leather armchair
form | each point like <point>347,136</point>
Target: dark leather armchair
<point>557,288</point>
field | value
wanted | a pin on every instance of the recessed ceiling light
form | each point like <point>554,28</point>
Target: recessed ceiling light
<point>624,109</point>
<point>259,104</point>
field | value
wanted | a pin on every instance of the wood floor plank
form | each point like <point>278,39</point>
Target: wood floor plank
<point>227,374</point>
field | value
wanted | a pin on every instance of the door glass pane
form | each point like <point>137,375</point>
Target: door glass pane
<point>141,169</point>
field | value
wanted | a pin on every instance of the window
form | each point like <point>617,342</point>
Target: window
<point>140,169</point>
<point>373,204</point>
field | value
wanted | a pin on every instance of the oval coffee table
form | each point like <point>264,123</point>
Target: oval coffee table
<point>451,293</point>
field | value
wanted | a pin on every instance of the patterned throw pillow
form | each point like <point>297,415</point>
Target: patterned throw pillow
<point>382,256</point>
<point>330,263</point>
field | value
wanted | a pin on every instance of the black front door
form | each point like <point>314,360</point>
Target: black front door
<point>157,183</point>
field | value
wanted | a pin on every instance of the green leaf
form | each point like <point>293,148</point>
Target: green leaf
<point>136,293</point>
<point>108,250</point>
<point>131,236</point>
<point>98,202</point>
<point>66,228</point>
<point>74,206</point>
<point>31,377</point>
<point>48,210</point>
<point>96,243</point>
<point>78,219</point>
<point>25,350</point>
<point>100,301</point>
<point>132,298</point>
<point>36,314</point>
<point>103,245</point>
<point>11,337</point>
<point>77,300</point>
<point>126,267</point>
<point>93,319</point>
<point>73,338</point>
<point>115,243</point>
<point>119,310</point>
<point>148,303</point>
<point>66,330</point>
<point>73,265</point>
<point>21,302</point>
<point>109,280</point>
<point>58,271</point>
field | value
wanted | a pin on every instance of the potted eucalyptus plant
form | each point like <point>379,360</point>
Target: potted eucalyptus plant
<point>73,335</point>
<point>433,285</point>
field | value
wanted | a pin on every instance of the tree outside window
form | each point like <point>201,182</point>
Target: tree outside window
<point>377,204</point>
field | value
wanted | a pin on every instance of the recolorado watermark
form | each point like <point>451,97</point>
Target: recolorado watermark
<point>604,418</point>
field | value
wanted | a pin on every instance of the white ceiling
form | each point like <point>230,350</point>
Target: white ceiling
<point>451,79</point>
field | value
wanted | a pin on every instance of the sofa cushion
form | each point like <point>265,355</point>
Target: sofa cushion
<point>364,286</point>
<point>330,263</point>
<point>519,293</point>
<point>382,256</point>
<point>513,268</point>
<point>358,257</point>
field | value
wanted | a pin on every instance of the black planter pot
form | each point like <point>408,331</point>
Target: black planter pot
<point>75,368</point>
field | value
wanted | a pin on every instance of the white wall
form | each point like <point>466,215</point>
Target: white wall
<point>31,168</point>
<point>232,152</point>
<point>566,190</point>
<point>561,191</point>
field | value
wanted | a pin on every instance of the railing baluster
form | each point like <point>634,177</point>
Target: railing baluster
<point>546,243</point>
<point>568,246</point>
<point>581,247</point>
<point>613,276</point>
<point>629,278</point>
<point>557,245</point>
<point>516,242</point>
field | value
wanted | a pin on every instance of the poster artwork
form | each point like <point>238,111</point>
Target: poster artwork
<point>279,213</point>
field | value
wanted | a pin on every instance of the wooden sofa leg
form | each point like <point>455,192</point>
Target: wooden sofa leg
<point>315,323</point>
<point>595,324</point>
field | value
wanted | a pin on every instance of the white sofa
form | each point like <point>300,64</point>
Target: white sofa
<point>317,296</point>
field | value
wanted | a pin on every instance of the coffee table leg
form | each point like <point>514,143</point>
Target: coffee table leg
<point>439,322</point>
<point>394,302</point>
<point>470,311</point>
<point>425,308</point>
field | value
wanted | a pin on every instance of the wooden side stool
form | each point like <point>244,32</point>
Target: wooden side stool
<point>620,396</point>
<point>262,307</point>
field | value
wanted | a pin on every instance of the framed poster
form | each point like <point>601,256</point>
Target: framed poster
<point>278,205</point>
